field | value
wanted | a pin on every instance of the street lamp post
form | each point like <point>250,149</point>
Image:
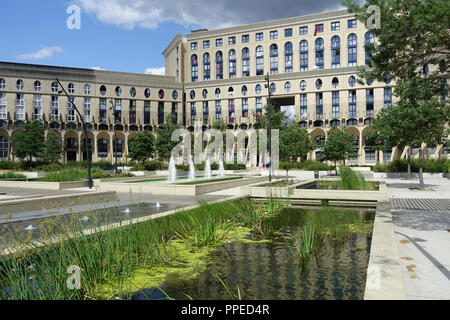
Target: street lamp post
<point>113,108</point>
<point>87,149</point>
<point>269,107</point>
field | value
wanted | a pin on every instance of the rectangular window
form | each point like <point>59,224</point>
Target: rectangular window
<point>219,42</point>
<point>351,23</point>
<point>387,97</point>
<point>303,107</point>
<point>205,44</point>
<point>205,112</point>
<point>231,40</point>
<point>319,28</point>
<point>352,103</point>
<point>303,31</point>
<point>174,109</point>
<point>3,112</point>
<point>319,104</point>
<point>260,36</point>
<point>54,108</point>
<point>245,38</point>
<point>161,112</point>
<point>146,112</point>
<point>245,67</point>
<point>70,109</point>
<point>335,104</point>
<point>87,109</point>
<point>288,63</point>
<point>118,105</point>
<point>218,110</point>
<point>288,32</point>
<point>273,35</point>
<point>335,26</point>
<point>37,104</point>
<point>193,45</point>
<point>231,110</point>
<point>244,107</point>
<point>132,111</point>
<point>352,56</point>
<point>369,102</point>
<point>102,110</point>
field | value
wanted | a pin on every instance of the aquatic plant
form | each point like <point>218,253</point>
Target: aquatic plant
<point>352,180</point>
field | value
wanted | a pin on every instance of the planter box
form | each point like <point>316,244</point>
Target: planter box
<point>44,185</point>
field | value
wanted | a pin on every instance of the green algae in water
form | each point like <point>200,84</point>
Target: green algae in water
<point>266,269</point>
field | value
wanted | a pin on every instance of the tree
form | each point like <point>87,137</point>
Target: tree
<point>52,149</point>
<point>338,146</point>
<point>164,144</point>
<point>141,146</point>
<point>412,48</point>
<point>278,119</point>
<point>29,142</point>
<point>295,143</point>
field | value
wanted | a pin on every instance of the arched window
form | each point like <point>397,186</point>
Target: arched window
<point>4,147</point>
<point>102,90</point>
<point>147,93</point>
<point>2,83</point>
<point>369,43</point>
<point>71,88</point>
<point>118,91</point>
<point>205,93</point>
<point>304,55</point>
<point>335,82</point>
<point>352,81</point>
<point>232,63</point>
<point>287,87</point>
<point>273,88</point>
<point>174,94</point>
<point>37,86</point>
<point>303,85</point>
<point>258,89</point>
<point>192,94</point>
<point>206,67</point>
<point>219,65</point>
<point>19,84</point>
<point>259,60</point>
<point>133,92</point>
<point>273,59</point>
<point>217,93</point>
<point>244,90</point>
<point>245,62</point>
<point>352,50</point>
<point>102,147</point>
<point>288,63</point>
<point>319,53</point>
<point>194,68</point>
<point>335,52</point>
<point>55,87</point>
<point>230,92</point>
<point>161,94</point>
<point>318,84</point>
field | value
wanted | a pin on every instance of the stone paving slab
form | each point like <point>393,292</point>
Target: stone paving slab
<point>423,242</point>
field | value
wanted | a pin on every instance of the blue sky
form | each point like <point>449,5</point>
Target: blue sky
<point>124,35</point>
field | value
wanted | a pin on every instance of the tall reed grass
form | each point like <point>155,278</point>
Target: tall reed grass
<point>352,180</point>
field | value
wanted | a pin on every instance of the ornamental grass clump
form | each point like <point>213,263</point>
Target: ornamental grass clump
<point>352,180</point>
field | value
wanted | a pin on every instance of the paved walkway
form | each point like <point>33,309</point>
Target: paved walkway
<point>422,236</point>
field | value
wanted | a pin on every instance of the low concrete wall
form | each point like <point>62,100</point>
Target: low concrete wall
<point>404,175</point>
<point>42,203</point>
<point>44,185</point>
<point>258,191</point>
<point>177,189</point>
<point>299,174</point>
<point>384,276</point>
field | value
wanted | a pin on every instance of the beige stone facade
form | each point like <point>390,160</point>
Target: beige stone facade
<point>217,74</point>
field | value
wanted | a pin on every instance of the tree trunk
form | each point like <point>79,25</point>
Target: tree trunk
<point>287,172</point>
<point>409,163</point>
<point>335,167</point>
<point>422,185</point>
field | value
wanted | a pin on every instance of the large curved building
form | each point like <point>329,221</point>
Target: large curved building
<point>212,75</point>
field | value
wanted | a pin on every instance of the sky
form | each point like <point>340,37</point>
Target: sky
<point>125,35</point>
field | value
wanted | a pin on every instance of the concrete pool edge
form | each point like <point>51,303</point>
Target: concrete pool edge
<point>384,277</point>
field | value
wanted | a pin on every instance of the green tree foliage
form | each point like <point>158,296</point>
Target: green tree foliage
<point>52,149</point>
<point>141,146</point>
<point>29,141</point>
<point>164,144</point>
<point>412,48</point>
<point>338,146</point>
<point>278,119</point>
<point>295,143</point>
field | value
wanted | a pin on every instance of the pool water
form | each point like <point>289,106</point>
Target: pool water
<point>268,270</point>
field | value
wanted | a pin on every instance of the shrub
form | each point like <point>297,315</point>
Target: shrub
<point>11,176</point>
<point>155,165</point>
<point>352,180</point>
<point>401,165</point>
<point>234,166</point>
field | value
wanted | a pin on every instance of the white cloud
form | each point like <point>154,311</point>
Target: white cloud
<point>44,52</point>
<point>97,68</point>
<point>150,14</point>
<point>157,71</point>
